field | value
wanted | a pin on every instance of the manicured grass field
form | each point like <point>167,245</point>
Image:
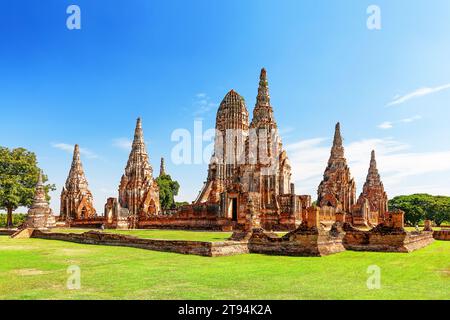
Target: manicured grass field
<point>37,269</point>
<point>162,234</point>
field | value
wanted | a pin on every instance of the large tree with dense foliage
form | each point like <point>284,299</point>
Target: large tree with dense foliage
<point>418,207</point>
<point>19,175</point>
<point>168,189</point>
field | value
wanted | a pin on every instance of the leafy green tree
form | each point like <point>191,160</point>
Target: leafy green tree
<point>180,204</point>
<point>168,189</point>
<point>19,175</point>
<point>441,209</point>
<point>418,207</point>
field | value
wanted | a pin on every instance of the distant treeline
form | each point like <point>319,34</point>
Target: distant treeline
<point>18,219</point>
<point>420,207</point>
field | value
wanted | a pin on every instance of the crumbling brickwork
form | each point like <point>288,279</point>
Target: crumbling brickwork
<point>76,198</point>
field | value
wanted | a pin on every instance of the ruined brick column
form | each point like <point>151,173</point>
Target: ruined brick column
<point>337,188</point>
<point>40,216</point>
<point>76,198</point>
<point>138,191</point>
<point>373,193</point>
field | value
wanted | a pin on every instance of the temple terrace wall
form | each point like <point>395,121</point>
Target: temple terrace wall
<point>304,241</point>
<point>208,249</point>
<point>442,235</point>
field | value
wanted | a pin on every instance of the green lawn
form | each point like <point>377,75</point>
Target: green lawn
<point>162,234</point>
<point>36,269</point>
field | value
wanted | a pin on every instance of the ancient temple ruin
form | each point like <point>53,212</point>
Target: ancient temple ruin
<point>138,190</point>
<point>248,190</point>
<point>372,204</point>
<point>249,164</point>
<point>248,184</point>
<point>76,198</point>
<point>39,216</point>
<point>337,189</point>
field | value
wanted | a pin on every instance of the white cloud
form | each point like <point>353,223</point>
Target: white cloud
<point>390,124</point>
<point>417,93</point>
<point>407,120</point>
<point>69,149</point>
<point>398,165</point>
<point>386,125</point>
<point>203,104</point>
<point>123,143</point>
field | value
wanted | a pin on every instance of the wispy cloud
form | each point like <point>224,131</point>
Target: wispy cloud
<point>69,149</point>
<point>203,104</point>
<point>123,143</point>
<point>396,163</point>
<point>417,93</point>
<point>386,125</point>
<point>390,124</point>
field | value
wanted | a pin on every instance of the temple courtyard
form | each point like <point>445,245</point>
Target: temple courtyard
<point>37,269</point>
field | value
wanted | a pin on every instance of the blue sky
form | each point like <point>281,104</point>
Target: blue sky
<point>171,62</point>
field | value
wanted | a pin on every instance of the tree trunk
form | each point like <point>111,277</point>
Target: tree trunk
<point>9,218</point>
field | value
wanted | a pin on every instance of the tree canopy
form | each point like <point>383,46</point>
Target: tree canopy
<point>168,189</point>
<point>19,175</point>
<point>419,207</point>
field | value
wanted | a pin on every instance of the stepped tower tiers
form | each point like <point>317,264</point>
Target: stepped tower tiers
<point>373,198</point>
<point>265,146</point>
<point>76,198</point>
<point>138,191</point>
<point>249,163</point>
<point>40,216</point>
<point>337,188</point>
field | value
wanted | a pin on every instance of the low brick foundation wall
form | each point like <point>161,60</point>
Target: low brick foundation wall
<point>208,249</point>
<point>443,235</point>
<point>174,223</point>
<point>309,243</point>
<point>7,232</point>
<point>395,241</point>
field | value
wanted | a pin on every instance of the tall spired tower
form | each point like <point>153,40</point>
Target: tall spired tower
<point>373,194</point>
<point>229,147</point>
<point>76,198</point>
<point>337,188</point>
<point>249,163</point>
<point>138,191</point>
<point>40,216</point>
<point>265,149</point>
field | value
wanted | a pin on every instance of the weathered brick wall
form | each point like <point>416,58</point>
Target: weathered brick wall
<point>301,242</point>
<point>7,232</point>
<point>394,241</point>
<point>174,222</point>
<point>442,235</point>
<point>177,246</point>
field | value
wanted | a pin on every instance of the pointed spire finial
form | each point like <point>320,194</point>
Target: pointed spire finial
<point>373,163</point>
<point>40,179</point>
<point>162,169</point>
<point>337,141</point>
<point>263,75</point>
<point>337,150</point>
<point>76,153</point>
<point>138,133</point>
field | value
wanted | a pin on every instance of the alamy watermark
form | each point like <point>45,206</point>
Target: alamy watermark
<point>374,279</point>
<point>74,279</point>
<point>228,146</point>
<point>374,19</point>
<point>73,21</point>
